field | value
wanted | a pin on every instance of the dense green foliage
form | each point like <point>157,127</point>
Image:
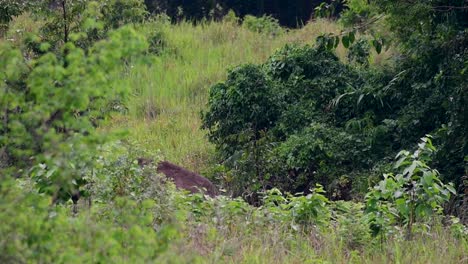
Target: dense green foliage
<point>11,8</point>
<point>118,231</point>
<point>432,77</point>
<point>327,122</point>
<point>286,120</point>
<point>51,106</point>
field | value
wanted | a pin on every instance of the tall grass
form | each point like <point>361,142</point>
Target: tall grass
<point>276,244</point>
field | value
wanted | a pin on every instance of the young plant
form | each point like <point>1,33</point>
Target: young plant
<point>412,196</point>
<point>302,211</point>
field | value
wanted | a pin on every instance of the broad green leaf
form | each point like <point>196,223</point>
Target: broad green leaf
<point>402,207</point>
<point>450,188</point>
<point>351,37</point>
<point>428,178</point>
<point>345,41</point>
<point>377,45</point>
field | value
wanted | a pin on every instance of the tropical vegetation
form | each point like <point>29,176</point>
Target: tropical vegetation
<point>342,140</point>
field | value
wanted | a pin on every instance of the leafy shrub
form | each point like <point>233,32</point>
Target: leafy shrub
<point>357,12</point>
<point>247,100</point>
<point>458,229</point>
<point>359,52</point>
<point>262,118</point>
<point>312,208</point>
<point>296,212</point>
<point>121,230</point>
<point>117,13</point>
<point>265,24</point>
<point>412,196</point>
<point>52,106</point>
<point>372,112</point>
<point>301,211</point>
<point>231,17</point>
<point>312,153</point>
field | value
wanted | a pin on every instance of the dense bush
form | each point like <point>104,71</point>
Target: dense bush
<point>357,12</point>
<point>120,230</point>
<point>278,124</point>
<point>428,91</point>
<point>248,99</point>
<point>409,200</point>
